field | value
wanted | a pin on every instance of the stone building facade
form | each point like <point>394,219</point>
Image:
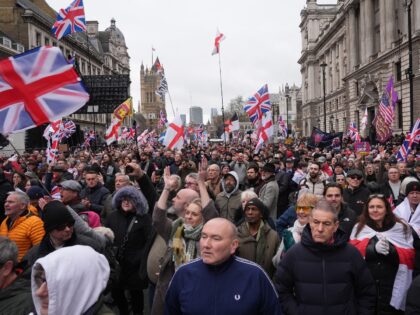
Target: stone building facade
<point>363,43</point>
<point>150,103</point>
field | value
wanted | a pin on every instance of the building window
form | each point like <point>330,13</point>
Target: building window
<point>356,86</point>
<point>398,70</point>
<point>46,41</point>
<point>356,118</point>
<point>38,39</point>
<point>399,114</point>
<point>7,42</point>
<point>54,44</point>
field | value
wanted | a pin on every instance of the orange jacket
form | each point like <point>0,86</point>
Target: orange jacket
<point>26,231</point>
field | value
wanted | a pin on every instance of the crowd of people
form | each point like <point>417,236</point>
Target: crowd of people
<point>214,229</point>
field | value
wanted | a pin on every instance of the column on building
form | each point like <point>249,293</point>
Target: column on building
<point>390,23</point>
<point>383,24</point>
<point>416,15</point>
<point>352,49</point>
<point>362,35</point>
<point>311,80</point>
<point>341,62</point>
<point>333,68</point>
<point>370,29</point>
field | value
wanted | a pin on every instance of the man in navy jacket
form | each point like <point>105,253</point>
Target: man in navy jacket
<point>219,282</point>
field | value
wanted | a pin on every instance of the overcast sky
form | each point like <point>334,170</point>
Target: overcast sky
<point>262,44</point>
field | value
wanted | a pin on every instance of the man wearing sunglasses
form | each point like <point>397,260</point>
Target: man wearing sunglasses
<point>59,232</point>
<point>356,194</point>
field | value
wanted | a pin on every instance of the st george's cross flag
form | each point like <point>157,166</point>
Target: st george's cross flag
<point>217,40</point>
<point>37,87</point>
<point>174,137</point>
<point>258,104</point>
<point>70,20</point>
<point>266,130</point>
<point>232,124</point>
<point>111,134</point>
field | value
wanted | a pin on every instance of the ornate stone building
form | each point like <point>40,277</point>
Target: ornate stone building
<point>362,44</point>
<point>150,104</point>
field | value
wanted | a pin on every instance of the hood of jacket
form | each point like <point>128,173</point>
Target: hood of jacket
<point>233,173</point>
<point>132,193</point>
<point>76,277</point>
<point>339,241</point>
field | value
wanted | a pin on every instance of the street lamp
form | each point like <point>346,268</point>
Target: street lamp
<point>287,92</point>
<point>409,72</point>
<point>323,65</point>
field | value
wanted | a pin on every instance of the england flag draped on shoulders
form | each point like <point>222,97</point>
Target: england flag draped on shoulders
<point>266,130</point>
<point>403,243</point>
<point>70,20</point>
<point>174,137</point>
<point>37,87</point>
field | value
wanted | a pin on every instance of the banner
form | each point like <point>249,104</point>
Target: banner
<point>323,139</point>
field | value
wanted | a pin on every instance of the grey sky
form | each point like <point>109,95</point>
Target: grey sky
<point>262,44</point>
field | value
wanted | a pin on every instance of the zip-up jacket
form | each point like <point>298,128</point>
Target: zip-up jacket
<point>235,287</point>
<point>325,279</point>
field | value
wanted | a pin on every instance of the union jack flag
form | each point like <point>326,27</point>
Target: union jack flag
<point>353,133</point>
<point>69,127</point>
<point>411,138</point>
<point>258,105</point>
<point>37,87</point>
<point>70,20</point>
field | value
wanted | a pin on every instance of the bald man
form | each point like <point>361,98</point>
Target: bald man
<point>165,228</point>
<point>219,282</point>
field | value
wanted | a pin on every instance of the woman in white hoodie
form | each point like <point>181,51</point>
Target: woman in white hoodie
<point>70,280</point>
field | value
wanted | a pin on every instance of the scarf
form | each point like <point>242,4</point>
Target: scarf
<point>403,211</point>
<point>405,250</point>
<point>297,231</point>
<point>184,242</point>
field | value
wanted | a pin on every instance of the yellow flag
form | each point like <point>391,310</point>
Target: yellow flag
<point>124,109</point>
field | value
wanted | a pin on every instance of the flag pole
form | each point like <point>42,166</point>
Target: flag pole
<point>170,101</point>
<point>221,94</point>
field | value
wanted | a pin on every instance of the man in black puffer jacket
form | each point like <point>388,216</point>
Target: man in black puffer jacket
<point>323,274</point>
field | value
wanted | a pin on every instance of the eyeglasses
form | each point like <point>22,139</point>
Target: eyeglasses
<point>62,227</point>
<point>356,177</point>
<point>304,208</point>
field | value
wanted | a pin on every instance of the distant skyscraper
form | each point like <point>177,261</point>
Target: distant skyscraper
<point>184,118</point>
<point>213,112</point>
<point>196,115</point>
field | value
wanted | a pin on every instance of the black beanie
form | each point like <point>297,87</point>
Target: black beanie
<point>56,214</point>
<point>260,206</point>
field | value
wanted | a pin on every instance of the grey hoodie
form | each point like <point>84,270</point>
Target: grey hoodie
<point>76,277</point>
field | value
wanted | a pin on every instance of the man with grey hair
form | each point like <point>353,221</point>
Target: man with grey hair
<point>21,225</point>
<point>121,180</point>
<point>15,290</point>
<point>323,274</point>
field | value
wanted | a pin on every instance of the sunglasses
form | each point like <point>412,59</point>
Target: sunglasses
<point>62,227</point>
<point>376,196</point>
<point>355,177</point>
<point>304,208</point>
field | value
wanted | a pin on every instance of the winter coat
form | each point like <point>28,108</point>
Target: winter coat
<point>26,231</point>
<point>383,269</point>
<point>356,198</point>
<point>412,306</point>
<point>347,218</point>
<point>324,279</point>
<point>96,195</point>
<point>132,253</point>
<point>240,169</point>
<point>229,204</point>
<point>76,277</point>
<point>260,251</point>
<point>16,298</point>
<point>387,191</point>
<point>286,220</point>
<point>306,185</point>
<point>285,188</point>
<point>269,194</point>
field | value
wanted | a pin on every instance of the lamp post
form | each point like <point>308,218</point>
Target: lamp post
<point>323,65</point>
<point>409,72</point>
<point>287,92</point>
